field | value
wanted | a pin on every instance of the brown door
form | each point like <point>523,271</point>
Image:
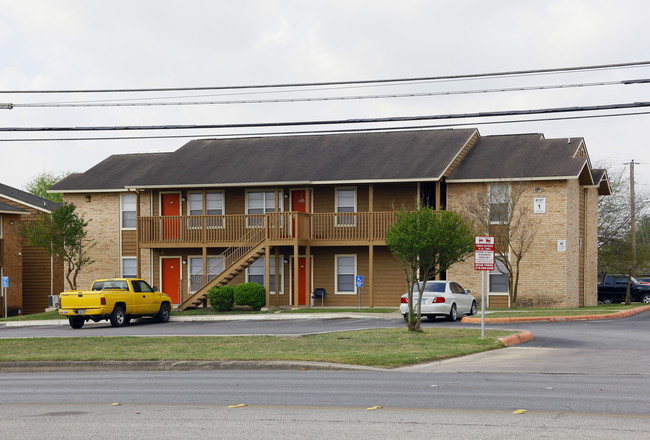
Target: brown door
<point>171,207</point>
<point>171,278</point>
<point>302,273</point>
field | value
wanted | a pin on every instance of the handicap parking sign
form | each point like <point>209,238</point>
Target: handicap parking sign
<point>359,281</point>
<point>5,281</point>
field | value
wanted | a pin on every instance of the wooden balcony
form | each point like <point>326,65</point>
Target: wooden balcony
<point>325,229</point>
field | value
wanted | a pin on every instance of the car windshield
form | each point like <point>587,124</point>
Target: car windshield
<point>431,287</point>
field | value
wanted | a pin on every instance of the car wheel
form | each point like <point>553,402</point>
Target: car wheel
<point>607,301</point>
<point>453,313</point>
<point>163,314</point>
<point>118,318</point>
<point>76,321</point>
<point>646,298</point>
<point>406,317</point>
<point>473,310</point>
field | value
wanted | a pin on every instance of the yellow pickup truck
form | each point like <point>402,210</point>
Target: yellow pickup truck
<point>117,300</point>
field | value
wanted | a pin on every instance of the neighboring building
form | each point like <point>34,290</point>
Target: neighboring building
<point>297,213</point>
<point>33,274</point>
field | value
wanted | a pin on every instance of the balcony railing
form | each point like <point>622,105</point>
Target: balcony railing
<point>277,227</point>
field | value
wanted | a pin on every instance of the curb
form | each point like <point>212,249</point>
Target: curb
<point>616,315</point>
<point>91,366</point>
<point>519,338</point>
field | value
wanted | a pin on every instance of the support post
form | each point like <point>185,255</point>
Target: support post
<point>267,275</point>
<point>296,274</point>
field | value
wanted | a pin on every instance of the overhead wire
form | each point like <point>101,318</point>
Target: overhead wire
<point>330,131</point>
<point>349,82</point>
<point>112,103</point>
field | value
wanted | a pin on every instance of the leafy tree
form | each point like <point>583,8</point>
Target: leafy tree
<point>427,242</point>
<point>64,235</point>
<point>42,181</point>
<point>507,215</point>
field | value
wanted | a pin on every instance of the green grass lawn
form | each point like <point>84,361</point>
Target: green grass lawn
<point>385,348</point>
<point>596,310</point>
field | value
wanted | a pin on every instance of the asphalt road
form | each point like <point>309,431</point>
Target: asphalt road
<point>575,380</point>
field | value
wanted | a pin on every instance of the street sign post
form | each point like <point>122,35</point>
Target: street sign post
<point>5,284</point>
<point>358,281</point>
<point>483,261</point>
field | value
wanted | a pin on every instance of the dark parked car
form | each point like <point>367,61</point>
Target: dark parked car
<point>613,289</point>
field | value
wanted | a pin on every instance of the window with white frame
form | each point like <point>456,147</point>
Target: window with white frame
<point>214,268</point>
<point>346,204</point>
<point>346,271</point>
<point>498,278</point>
<point>255,273</point>
<point>258,203</point>
<point>213,206</point>
<point>129,267</point>
<point>128,208</point>
<point>499,197</point>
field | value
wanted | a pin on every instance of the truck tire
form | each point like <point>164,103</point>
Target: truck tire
<point>163,314</point>
<point>118,318</point>
<point>76,321</point>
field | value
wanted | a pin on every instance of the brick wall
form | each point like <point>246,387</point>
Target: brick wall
<point>103,213</point>
<point>548,277</point>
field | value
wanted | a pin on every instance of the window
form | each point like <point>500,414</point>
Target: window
<point>141,286</point>
<point>215,267</point>
<point>213,206</point>
<point>498,278</point>
<point>499,202</point>
<point>259,203</point>
<point>129,267</point>
<point>346,202</point>
<point>346,271</point>
<point>128,211</point>
<point>255,273</point>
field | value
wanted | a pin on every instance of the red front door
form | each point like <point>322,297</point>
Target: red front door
<point>171,278</point>
<point>298,204</point>
<point>302,273</point>
<point>171,207</point>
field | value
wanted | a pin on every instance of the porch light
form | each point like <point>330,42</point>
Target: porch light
<point>87,198</point>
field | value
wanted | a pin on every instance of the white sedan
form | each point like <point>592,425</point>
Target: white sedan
<point>441,298</point>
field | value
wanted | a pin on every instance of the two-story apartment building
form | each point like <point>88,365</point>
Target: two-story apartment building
<point>32,274</point>
<point>296,213</point>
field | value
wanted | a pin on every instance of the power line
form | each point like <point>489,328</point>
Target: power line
<point>329,98</point>
<point>448,125</point>
<point>328,83</point>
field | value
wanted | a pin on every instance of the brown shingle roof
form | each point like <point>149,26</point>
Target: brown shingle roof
<point>526,156</point>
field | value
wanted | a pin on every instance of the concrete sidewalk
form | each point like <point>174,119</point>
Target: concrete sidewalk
<point>237,317</point>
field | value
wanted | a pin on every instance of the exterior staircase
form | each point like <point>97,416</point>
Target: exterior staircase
<point>235,259</point>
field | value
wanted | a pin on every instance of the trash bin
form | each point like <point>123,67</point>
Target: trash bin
<point>318,294</point>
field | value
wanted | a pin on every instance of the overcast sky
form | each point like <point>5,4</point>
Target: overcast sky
<point>66,44</point>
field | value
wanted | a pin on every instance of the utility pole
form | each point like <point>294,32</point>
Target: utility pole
<point>632,218</point>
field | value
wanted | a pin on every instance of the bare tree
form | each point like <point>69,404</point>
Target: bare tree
<point>614,215</point>
<point>506,213</point>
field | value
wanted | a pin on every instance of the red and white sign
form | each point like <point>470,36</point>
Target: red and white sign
<point>484,253</point>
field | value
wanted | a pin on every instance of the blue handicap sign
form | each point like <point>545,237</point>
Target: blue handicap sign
<point>359,281</point>
<point>5,281</point>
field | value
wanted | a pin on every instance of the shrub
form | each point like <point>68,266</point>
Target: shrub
<point>250,294</point>
<point>222,298</point>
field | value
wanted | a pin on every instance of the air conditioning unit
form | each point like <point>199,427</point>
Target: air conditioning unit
<point>53,301</point>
